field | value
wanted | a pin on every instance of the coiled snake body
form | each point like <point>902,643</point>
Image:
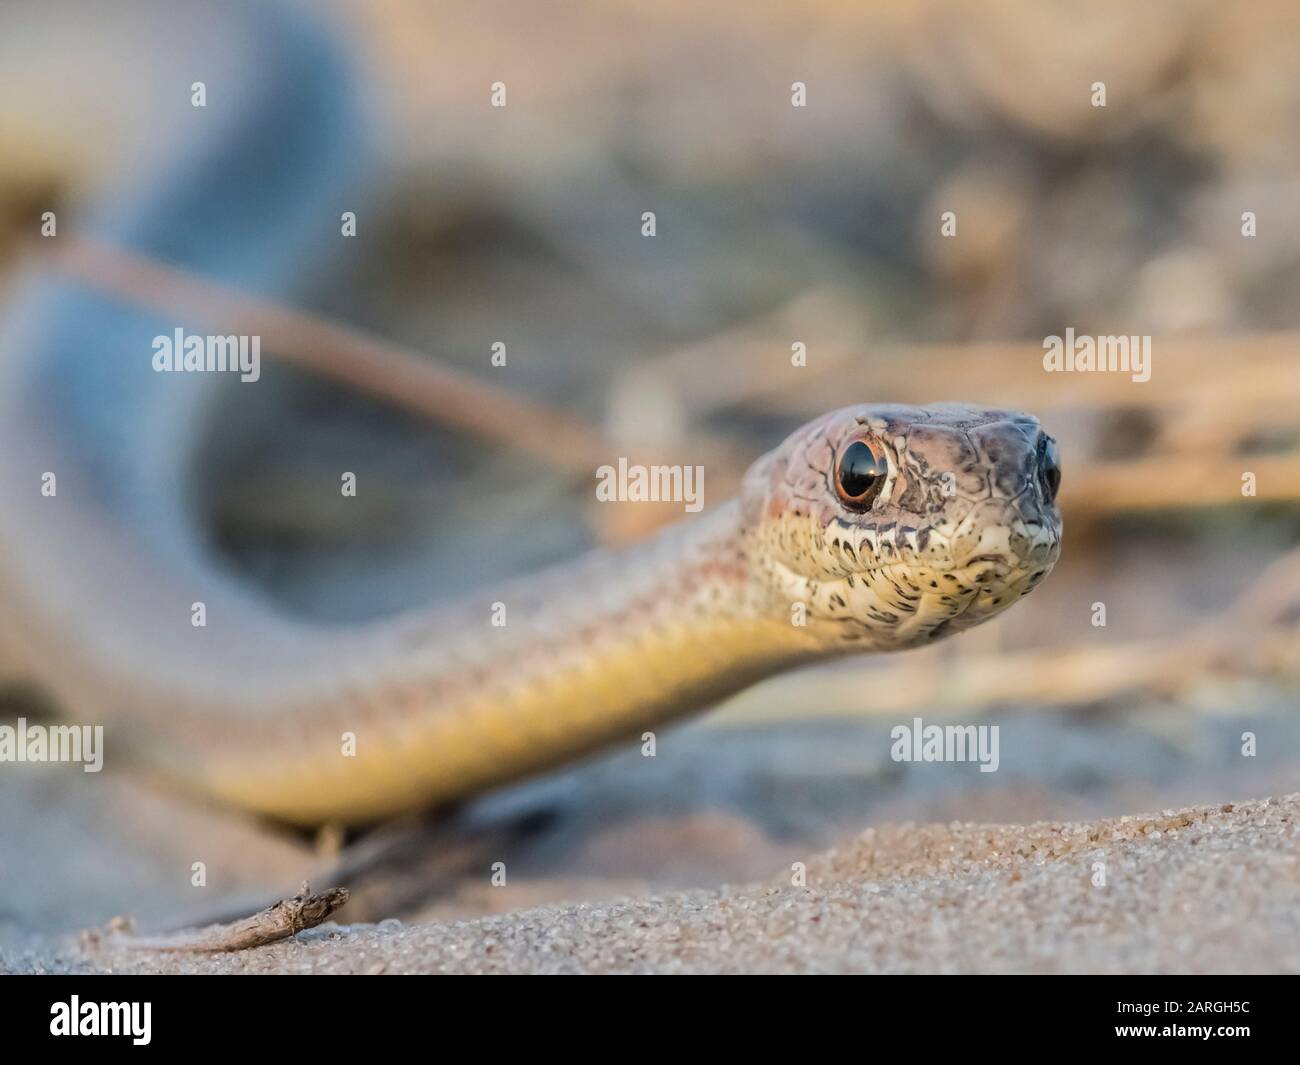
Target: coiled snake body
<point>874,528</point>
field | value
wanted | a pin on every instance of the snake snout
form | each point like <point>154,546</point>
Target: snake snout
<point>1000,539</point>
<point>986,536</point>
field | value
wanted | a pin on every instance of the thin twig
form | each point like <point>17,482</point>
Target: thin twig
<point>284,919</point>
<point>407,379</point>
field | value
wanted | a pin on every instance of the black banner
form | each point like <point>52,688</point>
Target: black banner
<point>344,1014</point>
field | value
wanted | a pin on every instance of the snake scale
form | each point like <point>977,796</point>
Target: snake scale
<point>874,528</point>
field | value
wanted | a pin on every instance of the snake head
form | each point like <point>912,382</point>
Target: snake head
<point>896,525</point>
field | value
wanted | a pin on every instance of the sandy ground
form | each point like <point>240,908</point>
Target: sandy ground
<point>616,865</point>
<point>1209,889</point>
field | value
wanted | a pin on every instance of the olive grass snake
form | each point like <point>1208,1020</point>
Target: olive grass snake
<point>873,528</point>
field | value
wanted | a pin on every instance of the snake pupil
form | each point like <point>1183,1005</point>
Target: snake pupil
<point>861,474</point>
<point>1049,468</point>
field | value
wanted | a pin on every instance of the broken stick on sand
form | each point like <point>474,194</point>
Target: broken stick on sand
<point>285,918</point>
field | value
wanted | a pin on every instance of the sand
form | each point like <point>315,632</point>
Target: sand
<point>1206,889</point>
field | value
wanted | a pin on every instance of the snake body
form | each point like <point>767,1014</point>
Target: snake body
<point>307,723</point>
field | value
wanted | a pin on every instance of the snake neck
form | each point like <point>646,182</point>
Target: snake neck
<point>453,701</point>
<point>688,603</point>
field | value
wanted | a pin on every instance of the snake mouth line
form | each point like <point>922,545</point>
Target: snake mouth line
<point>995,558</point>
<point>1010,562</point>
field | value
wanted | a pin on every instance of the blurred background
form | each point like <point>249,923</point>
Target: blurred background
<point>775,225</point>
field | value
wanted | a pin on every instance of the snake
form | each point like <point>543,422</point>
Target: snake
<point>874,528</point>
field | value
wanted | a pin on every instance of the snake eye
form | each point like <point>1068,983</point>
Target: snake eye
<point>860,475</point>
<point>1049,468</point>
